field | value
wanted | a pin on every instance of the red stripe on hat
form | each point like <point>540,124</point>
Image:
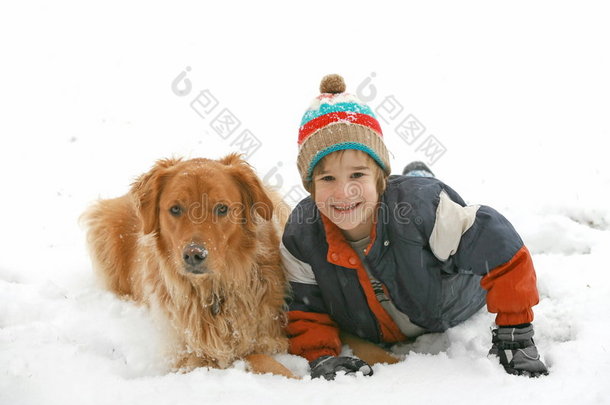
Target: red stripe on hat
<point>338,116</point>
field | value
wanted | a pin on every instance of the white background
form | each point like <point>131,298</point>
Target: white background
<point>516,93</point>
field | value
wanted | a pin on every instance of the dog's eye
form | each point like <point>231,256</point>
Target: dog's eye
<point>175,210</point>
<point>221,210</point>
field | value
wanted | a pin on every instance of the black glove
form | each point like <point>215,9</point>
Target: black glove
<point>516,349</point>
<point>327,366</point>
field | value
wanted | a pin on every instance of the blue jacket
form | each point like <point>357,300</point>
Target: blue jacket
<point>430,251</point>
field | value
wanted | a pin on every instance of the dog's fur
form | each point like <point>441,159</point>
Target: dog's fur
<point>233,306</point>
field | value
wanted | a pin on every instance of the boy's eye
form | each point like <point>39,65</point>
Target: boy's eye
<point>327,178</point>
<point>357,175</point>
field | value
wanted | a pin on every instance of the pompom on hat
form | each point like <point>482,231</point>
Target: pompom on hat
<point>337,120</point>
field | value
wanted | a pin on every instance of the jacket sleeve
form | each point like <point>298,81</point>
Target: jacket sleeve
<point>480,240</point>
<point>311,330</point>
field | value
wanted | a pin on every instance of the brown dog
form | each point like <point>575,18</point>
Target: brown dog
<point>196,238</point>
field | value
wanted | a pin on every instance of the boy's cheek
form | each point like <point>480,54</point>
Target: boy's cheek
<point>322,206</point>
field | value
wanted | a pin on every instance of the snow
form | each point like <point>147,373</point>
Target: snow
<point>517,95</point>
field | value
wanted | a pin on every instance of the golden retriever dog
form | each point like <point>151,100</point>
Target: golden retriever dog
<point>199,239</point>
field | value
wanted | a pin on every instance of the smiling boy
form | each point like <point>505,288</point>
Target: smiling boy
<point>388,259</point>
<point>345,191</point>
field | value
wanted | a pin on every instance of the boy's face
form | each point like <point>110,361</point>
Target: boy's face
<point>346,192</point>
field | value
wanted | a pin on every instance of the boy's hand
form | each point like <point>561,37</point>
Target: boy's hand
<point>516,349</point>
<point>328,366</point>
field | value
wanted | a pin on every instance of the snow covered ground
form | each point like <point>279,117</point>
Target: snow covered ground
<point>508,102</point>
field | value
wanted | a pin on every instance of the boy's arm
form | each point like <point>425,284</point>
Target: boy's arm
<point>481,240</point>
<point>311,330</point>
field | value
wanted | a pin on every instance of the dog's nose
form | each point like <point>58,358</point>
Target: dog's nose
<point>194,255</point>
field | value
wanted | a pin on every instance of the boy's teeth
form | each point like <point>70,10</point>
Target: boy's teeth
<point>345,207</point>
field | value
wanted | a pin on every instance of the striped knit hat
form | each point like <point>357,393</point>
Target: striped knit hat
<point>336,121</point>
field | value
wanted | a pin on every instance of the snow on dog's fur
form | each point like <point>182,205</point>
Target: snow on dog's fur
<point>200,239</point>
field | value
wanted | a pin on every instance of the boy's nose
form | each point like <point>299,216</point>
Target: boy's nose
<point>348,190</point>
<point>339,193</point>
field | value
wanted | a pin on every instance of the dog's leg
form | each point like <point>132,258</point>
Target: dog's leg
<point>367,351</point>
<point>190,362</point>
<point>262,364</point>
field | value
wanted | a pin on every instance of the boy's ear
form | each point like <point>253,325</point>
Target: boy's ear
<point>382,183</point>
<point>252,190</point>
<point>146,192</point>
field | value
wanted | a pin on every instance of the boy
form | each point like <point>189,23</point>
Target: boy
<point>388,259</point>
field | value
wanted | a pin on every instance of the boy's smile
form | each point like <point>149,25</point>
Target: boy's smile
<point>346,193</point>
<point>345,208</point>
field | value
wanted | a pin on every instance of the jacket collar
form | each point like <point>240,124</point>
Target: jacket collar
<point>340,252</point>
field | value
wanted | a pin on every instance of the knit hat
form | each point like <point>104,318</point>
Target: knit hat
<point>336,121</point>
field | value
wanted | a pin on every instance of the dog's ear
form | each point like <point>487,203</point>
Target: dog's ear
<point>146,191</point>
<point>252,189</point>
<point>232,159</point>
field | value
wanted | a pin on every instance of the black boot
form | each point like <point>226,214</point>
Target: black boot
<point>417,166</point>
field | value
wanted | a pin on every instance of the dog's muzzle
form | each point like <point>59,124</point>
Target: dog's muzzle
<point>194,256</point>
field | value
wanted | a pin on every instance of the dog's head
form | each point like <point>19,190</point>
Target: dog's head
<point>202,213</point>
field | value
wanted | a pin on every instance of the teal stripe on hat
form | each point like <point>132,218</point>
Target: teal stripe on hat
<point>342,146</point>
<point>328,108</point>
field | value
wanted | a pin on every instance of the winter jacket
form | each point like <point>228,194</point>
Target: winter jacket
<point>438,260</point>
